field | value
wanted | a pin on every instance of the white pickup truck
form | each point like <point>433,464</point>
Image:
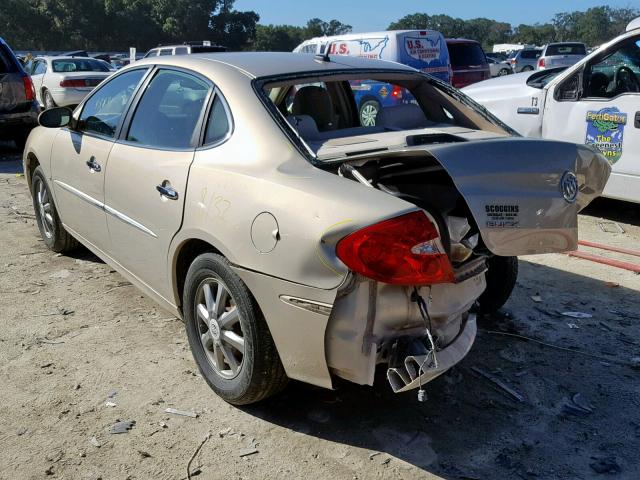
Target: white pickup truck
<point>596,102</point>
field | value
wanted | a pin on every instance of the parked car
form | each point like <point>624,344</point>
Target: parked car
<point>18,107</point>
<point>562,54</point>
<point>186,48</point>
<point>65,81</point>
<point>424,50</point>
<point>242,193</point>
<point>525,60</point>
<point>499,68</point>
<point>595,102</point>
<point>468,62</point>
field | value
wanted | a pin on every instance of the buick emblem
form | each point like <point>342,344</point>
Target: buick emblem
<point>569,186</point>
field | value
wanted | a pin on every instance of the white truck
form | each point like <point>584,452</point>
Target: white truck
<point>595,102</point>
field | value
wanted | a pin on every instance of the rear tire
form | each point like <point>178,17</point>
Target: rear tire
<point>527,68</point>
<point>501,278</point>
<point>52,231</point>
<point>503,72</point>
<point>237,358</point>
<point>369,111</point>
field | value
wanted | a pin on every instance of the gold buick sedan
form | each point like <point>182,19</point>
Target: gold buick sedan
<point>242,193</point>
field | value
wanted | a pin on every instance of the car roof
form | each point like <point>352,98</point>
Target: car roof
<point>461,40</point>
<point>61,57</point>
<point>265,64</point>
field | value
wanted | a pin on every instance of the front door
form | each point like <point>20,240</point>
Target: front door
<point>146,181</point>
<point>80,156</point>
<point>606,114</point>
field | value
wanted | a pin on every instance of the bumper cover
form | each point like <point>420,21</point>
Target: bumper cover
<point>406,377</point>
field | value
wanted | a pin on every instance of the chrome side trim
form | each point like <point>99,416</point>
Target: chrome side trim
<point>311,305</point>
<point>106,208</point>
<point>90,200</point>
<point>121,216</point>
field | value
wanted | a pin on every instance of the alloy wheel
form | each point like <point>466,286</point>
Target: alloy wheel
<point>219,326</point>
<point>44,208</point>
<point>368,115</point>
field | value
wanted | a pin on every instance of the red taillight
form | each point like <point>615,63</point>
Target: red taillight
<point>513,61</point>
<point>541,63</point>
<point>405,250</point>
<point>75,83</point>
<point>396,92</point>
<point>29,90</point>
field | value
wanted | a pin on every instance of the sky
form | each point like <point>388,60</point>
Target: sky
<point>375,15</point>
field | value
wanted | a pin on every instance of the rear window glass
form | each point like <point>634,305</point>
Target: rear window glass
<point>7,64</point>
<point>466,54</point>
<point>566,49</point>
<point>530,54</point>
<point>79,65</point>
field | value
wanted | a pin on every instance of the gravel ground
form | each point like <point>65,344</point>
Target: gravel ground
<point>81,349</point>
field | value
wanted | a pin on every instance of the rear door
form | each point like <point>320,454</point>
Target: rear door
<point>146,181</point>
<point>600,106</point>
<point>79,158</point>
<point>38,72</point>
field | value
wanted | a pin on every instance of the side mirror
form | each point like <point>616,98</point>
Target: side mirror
<point>55,117</point>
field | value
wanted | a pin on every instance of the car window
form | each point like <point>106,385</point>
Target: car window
<point>530,54</point>
<point>218,122</point>
<point>615,73</point>
<point>465,54</point>
<point>151,53</point>
<point>165,51</point>
<point>103,111</point>
<point>169,110</point>
<point>79,65</point>
<point>566,49</point>
<point>39,67</point>
<point>182,50</point>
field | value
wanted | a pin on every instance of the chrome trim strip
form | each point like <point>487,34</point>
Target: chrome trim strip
<point>106,208</point>
<point>121,216</point>
<point>81,195</point>
<point>310,305</point>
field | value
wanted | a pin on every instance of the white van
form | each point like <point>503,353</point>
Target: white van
<point>424,50</point>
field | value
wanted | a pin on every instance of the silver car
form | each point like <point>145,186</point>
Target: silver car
<point>562,54</point>
<point>241,192</point>
<point>525,60</point>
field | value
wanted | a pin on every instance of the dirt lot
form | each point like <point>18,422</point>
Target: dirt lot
<point>76,336</point>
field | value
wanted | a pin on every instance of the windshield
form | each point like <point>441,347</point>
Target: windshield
<point>79,65</point>
<point>352,111</point>
<point>465,54</point>
<point>566,49</point>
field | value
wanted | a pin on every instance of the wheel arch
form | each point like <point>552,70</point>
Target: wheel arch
<point>31,162</point>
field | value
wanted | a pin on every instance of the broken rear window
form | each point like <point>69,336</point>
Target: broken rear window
<point>327,108</point>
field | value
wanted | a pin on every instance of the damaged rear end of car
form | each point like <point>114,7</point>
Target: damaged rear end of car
<point>476,192</point>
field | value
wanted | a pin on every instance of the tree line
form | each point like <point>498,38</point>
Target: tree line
<point>100,25</point>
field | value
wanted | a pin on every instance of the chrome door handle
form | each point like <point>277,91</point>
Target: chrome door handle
<point>93,165</point>
<point>167,192</point>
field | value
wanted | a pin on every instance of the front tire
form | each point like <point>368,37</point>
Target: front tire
<point>53,233</point>
<point>501,276</point>
<point>228,335</point>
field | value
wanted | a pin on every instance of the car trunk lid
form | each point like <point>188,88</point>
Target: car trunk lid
<point>524,194</point>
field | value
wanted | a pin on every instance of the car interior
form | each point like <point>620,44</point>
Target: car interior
<point>325,111</point>
<point>615,72</point>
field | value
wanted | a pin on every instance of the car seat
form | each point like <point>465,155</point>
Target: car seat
<point>315,102</point>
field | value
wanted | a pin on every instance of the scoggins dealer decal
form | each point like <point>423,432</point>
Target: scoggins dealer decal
<point>605,131</point>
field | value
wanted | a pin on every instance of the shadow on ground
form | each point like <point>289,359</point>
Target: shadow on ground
<point>10,158</point>
<point>470,428</point>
